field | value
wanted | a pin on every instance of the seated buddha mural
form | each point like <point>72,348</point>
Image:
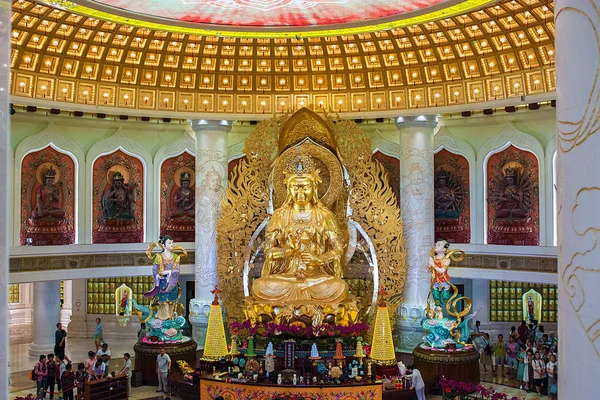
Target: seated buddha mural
<point>118,203</point>
<point>184,198</point>
<point>511,206</point>
<point>449,204</point>
<point>118,208</point>
<point>179,202</point>
<point>47,222</point>
<point>48,208</point>
<point>303,252</point>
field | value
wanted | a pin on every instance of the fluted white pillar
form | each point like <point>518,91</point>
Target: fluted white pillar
<point>211,182</point>
<point>416,195</point>
<point>578,123</point>
<point>46,314</point>
<point>5,188</point>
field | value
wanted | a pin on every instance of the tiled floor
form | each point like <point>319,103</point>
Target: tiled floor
<point>141,393</point>
<point>22,363</point>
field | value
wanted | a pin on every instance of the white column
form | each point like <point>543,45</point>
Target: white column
<point>5,189</point>
<point>211,182</point>
<point>416,195</point>
<point>46,314</point>
<point>67,308</point>
<point>578,182</point>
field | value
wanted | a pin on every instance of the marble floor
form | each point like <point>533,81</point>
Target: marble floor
<point>21,364</point>
<point>141,393</point>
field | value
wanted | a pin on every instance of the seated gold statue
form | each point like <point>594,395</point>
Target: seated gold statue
<point>303,253</point>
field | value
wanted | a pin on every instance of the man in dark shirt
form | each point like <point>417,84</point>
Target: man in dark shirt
<point>522,332</point>
<point>60,337</point>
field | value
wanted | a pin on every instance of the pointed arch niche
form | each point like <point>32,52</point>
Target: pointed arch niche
<point>33,155</point>
<point>513,183</point>
<point>48,214</point>
<point>177,203</point>
<point>452,181</point>
<point>118,153</point>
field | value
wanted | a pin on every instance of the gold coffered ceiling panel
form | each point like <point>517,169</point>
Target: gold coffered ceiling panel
<point>498,52</point>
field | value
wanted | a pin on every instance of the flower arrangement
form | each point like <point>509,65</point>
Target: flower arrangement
<point>444,350</point>
<point>464,391</point>
<point>269,329</point>
<point>148,340</point>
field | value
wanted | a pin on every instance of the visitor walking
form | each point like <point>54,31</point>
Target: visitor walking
<point>68,382</point>
<point>60,337</point>
<point>127,371</point>
<point>486,346</point>
<point>521,359</point>
<point>163,366</point>
<point>41,373</point>
<point>417,383</point>
<point>52,374</point>
<point>98,334</point>
<point>512,350</point>
<point>500,355</point>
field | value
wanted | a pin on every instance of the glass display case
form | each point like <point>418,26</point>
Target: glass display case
<point>506,303</point>
<point>101,292</point>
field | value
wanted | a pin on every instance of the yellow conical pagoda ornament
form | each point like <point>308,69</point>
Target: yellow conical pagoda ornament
<point>234,347</point>
<point>215,345</point>
<point>382,351</point>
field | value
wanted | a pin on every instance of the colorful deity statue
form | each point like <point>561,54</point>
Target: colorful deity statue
<point>166,288</point>
<point>48,198</point>
<point>442,330</point>
<point>124,302</point>
<point>118,203</point>
<point>439,262</point>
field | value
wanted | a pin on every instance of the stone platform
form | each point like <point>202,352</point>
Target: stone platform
<point>460,365</point>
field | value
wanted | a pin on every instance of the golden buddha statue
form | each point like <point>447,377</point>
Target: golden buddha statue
<point>303,251</point>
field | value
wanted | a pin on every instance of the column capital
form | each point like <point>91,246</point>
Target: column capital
<point>426,121</point>
<point>203,125</point>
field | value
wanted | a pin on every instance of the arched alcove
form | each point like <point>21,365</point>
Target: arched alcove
<point>49,138</point>
<point>119,148</point>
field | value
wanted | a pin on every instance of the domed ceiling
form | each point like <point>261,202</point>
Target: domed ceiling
<point>268,18</point>
<point>501,51</point>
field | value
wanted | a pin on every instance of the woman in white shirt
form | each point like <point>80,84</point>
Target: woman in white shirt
<point>539,372</point>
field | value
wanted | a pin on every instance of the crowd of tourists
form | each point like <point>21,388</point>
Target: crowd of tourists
<point>54,373</point>
<point>528,355</point>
